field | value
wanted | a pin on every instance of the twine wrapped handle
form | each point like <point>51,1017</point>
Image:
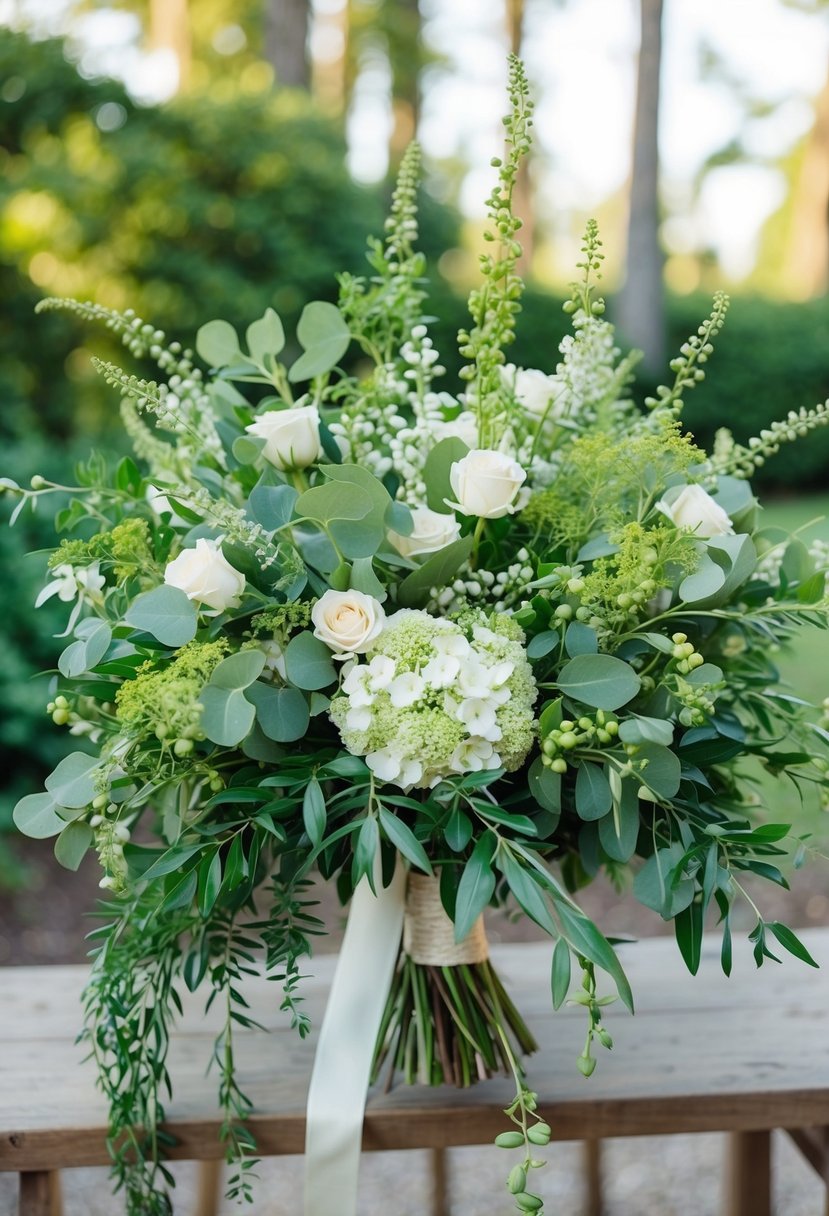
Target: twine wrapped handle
<point>428,933</point>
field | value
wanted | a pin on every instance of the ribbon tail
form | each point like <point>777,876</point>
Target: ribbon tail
<point>345,1048</point>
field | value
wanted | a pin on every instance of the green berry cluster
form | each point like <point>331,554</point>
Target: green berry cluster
<point>601,730</point>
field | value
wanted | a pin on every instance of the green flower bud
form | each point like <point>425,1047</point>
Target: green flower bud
<point>539,1133</point>
<point>586,1065</point>
<point>564,612</point>
<point>183,747</point>
<point>612,728</point>
<point>509,1140</point>
<point>60,717</point>
<point>559,765</point>
<point>528,1202</point>
<point>100,801</point>
<point>567,725</point>
<point>679,638</point>
<point>548,747</point>
<point>38,482</point>
<point>517,1180</point>
<point>569,740</point>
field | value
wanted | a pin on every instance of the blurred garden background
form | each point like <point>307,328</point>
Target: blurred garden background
<point>196,158</point>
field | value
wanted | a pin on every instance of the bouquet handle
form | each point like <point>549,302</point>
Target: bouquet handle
<point>345,1048</point>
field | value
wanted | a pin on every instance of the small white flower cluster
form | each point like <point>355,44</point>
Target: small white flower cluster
<point>432,700</point>
<point>507,587</point>
<point>366,430</point>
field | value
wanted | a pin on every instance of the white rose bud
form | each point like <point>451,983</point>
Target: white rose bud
<point>204,574</point>
<point>347,621</point>
<point>432,531</point>
<point>534,390</point>
<point>487,484</point>
<point>292,437</point>
<point>696,510</point>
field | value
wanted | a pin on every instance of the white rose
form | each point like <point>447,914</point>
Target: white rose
<point>292,437</point>
<point>486,484</point>
<point>347,621</point>
<point>432,531</point>
<point>534,390</point>
<point>696,510</point>
<point>204,574</point>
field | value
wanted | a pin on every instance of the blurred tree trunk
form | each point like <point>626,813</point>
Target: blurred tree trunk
<point>641,303</point>
<point>523,203</point>
<point>286,41</point>
<point>806,256</point>
<point>170,31</point>
<point>402,22</point>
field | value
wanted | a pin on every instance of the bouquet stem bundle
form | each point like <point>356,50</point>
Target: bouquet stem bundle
<point>448,1018</point>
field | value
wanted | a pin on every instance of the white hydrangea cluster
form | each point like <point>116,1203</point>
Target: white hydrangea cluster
<point>432,699</point>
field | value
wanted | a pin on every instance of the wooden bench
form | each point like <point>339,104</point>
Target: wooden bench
<point>703,1054</point>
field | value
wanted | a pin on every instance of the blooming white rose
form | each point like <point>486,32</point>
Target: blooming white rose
<point>487,484</point>
<point>696,510</point>
<point>292,437</point>
<point>432,530</point>
<point>534,390</point>
<point>347,621</point>
<point>205,575</point>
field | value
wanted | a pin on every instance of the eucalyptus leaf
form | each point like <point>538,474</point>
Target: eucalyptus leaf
<point>166,614</point>
<point>599,680</point>
<point>72,785</point>
<point>227,716</point>
<point>272,506</point>
<point>545,786</point>
<point>282,713</point>
<point>308,662</point>
<point>87,652</point>
<point>238,670</point>
<point>593,796</point>
<point>662,886</point>
<point>72,844</point>
<point>619,832</point>
<point>640,729</point>
<point>662,771</point>
<point>36,816</point>
<point>580,639</point>
<point>266,336</point>
<point>217,343</point>
<point>324,337</point>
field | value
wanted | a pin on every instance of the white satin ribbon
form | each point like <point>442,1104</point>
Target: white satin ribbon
<point>345,1048</point>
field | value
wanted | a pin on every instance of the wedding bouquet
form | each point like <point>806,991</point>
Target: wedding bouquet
<point>496,641</point>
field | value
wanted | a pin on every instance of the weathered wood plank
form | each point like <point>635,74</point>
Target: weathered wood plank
<point>40,1194</point>
<point>701,1055</point>
<point>748,1175</point>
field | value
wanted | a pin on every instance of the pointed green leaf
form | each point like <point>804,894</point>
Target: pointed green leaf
<point>560,977</point>
<point>404,840</point>
<point>313,811</point>
<point>476,887</point>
